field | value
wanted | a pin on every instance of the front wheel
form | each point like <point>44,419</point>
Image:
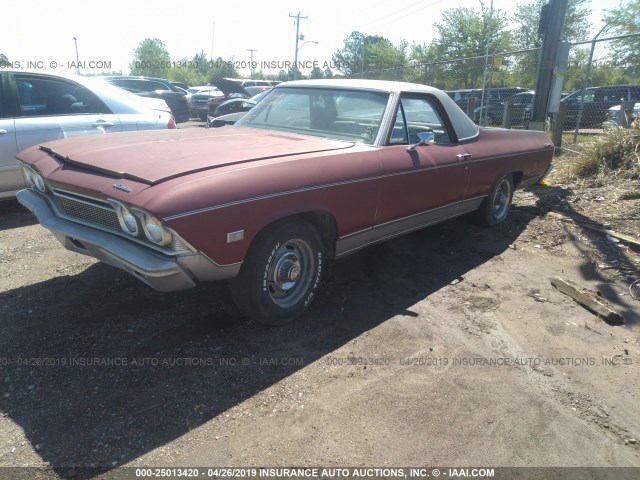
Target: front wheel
<point>495,208</point>
<point>281,273</point>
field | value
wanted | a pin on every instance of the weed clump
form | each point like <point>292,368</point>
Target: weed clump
<point>615,153</point>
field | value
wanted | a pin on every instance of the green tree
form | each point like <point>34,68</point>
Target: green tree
<point>201,63</point>
<point>316,73</point>
<point>349,60</point>
<point>220,68</point>
<point>369,56</point>
<point>151,58</point>
<point>327,73</point>
<point>283,76</point>
<point>187,73</point>
<point>525,36</point>
<point>464,33</point>
<point>384,60</point>
<point>425,67</point>
<point>623,20</point>
<point>294,73</point>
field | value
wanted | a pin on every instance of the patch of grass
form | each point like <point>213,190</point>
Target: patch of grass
<point>615,153</point>
<point>567,138</point>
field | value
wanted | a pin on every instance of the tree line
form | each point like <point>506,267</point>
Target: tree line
<point>453,59</point>
<point>456,57</point>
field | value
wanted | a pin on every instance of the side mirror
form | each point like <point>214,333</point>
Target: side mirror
<point>425,138</point>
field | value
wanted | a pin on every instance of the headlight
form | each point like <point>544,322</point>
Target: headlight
<point>153,229</point>
<point>39,181</point>
<point>33,178</point>
<point>126,218</point>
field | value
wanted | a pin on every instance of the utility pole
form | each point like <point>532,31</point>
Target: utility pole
<point>213,32</point>
<point>77,57</point>
<point>298,37</point>
<point>552,20</point>
<point>251,64</point>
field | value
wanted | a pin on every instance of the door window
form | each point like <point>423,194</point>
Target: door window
<point>416,115</point>
<point>43,96</point>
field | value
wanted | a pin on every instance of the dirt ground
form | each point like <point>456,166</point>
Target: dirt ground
<point>447,347</point>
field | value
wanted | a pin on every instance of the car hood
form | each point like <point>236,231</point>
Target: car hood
<point>228,86</point>
<point>616,108</point>
<point>152,157</point>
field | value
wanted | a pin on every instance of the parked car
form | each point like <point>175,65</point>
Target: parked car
<point>595,102</point>
<point>203,104</point>
<point>37,107</point>
<point>463,96</point>
<point>256,90</point>
<point>595,107</point>
<point>492,96</point>
<point>317,170</point>
<point>493,114</point>
<point>155,88</point>
<point>238,105</point>
<point>199,101</point>
<point>616,116</point>
<point>181,85</point>
<point>252,83</point>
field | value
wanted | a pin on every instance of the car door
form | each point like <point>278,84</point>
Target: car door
<point>425,184</point>
<point>50,108</point>
<point>11,178</point>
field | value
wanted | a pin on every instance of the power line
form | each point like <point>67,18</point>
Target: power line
<point>297,21</point>
<point>390,19</point>
<point>251,50</point>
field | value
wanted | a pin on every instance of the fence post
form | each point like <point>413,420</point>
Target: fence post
<point>556,134</point>
<point>585,84</point>
<point>471,107</point>
<point>626,113</point>
<point>508,114</point>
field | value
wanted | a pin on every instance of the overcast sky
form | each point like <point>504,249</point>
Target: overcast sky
<point>41,30</point>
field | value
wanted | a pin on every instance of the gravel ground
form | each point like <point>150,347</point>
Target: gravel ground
<point>446,347</point>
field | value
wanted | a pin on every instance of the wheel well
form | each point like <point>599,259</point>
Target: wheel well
<point>517,178</point>
<point>326,226</point>
<point>324,222</point>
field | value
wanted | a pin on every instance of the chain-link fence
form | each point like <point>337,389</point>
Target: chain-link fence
<point>498,89</point>
<point>605,80</point>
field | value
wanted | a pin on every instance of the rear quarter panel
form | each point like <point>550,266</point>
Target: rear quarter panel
<point>497,152</point>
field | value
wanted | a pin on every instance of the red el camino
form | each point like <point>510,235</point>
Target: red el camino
<point>317,170</point>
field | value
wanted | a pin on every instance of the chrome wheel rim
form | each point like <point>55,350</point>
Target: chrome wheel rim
<point>501,199</point>
<point>290,273</point>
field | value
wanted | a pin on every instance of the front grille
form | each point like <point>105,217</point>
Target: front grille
<point>87,211</point>
<point>100,214</point>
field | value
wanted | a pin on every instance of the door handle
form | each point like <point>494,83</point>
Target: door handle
<point>464,156</point>
<point>101,123</point>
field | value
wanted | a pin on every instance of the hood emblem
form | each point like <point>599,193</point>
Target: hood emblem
<point>122,187</point>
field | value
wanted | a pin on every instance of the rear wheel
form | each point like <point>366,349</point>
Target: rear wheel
<point>281,273</point>
<point>495,208</point>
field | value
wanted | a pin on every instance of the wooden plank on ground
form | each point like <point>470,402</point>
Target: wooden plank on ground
<point>625,238</point>
<point>588,301</point>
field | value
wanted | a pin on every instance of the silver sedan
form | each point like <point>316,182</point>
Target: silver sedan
<point>37,107</point>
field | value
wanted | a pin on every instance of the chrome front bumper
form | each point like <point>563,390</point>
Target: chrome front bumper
<point>162,272</point>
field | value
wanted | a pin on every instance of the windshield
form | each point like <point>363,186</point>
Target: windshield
<point>259,96</point>
<point>338,114</point>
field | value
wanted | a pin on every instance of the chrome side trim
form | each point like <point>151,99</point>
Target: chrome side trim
<point>379,233</point>
<point>330,185</point>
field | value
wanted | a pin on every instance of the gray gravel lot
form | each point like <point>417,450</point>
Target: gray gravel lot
<point>446,347</point>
